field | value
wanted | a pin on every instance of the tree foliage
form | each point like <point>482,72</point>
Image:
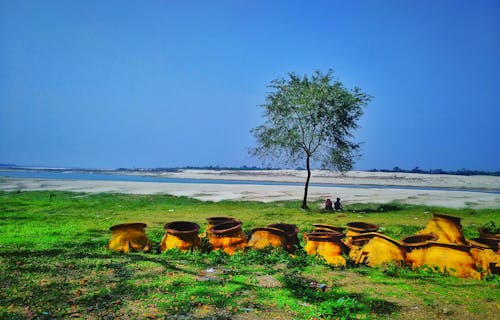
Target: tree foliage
<point>311,119</point>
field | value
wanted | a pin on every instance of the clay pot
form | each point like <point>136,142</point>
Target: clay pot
<point>182,235</point>
<point>213,221</point>
<point>446,228</point>
<point>292,241</point>
<point>327,244</point>
<point>260,238</point>
<point>129,237</point>
<point>375,250</point>
<point>227,236</point>
<point>452,258</point>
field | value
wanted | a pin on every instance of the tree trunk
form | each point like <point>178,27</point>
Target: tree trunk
<point>304,201</point>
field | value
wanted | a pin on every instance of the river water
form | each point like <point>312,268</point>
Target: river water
<point>88,175</point>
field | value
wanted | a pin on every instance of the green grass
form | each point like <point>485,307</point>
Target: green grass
<point>54,264</point>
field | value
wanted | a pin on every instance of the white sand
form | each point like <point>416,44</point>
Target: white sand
<point>217,192</point>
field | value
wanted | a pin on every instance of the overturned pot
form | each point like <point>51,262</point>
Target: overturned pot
<point>454,259</point>
<point>128,237</point>
<point>379,250</point>
<point>182,235</point>
<point>446,228</point>
<point>227,236</point>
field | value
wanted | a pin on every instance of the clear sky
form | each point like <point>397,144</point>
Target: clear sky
<point>179,83</point>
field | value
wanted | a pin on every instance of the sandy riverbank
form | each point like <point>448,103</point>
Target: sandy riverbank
<point>351,177</point>
<point>217,192</point>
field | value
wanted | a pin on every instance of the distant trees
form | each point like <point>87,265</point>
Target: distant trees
<point>310,118</point>
<point>461,172</point>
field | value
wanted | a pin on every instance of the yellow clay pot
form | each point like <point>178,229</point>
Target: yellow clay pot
<point>260,238</point>
<point>326,244</point>
<point>213,221</point>
<point>446,228</point>
<point>380,250</point>
<point>292,241</point>
<point>182,235</point>
<point>129,237</point>
<point>227,236</point>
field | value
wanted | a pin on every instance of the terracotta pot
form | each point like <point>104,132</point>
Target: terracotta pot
<point>327,244</point>
<point>181,235</point>
<point>260,238</point>
<point>127,237</point>
<point>227,236</point>
<point>446,228</point>
<point>292,241</point>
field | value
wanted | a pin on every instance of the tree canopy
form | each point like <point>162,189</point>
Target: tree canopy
<point>311,119</point>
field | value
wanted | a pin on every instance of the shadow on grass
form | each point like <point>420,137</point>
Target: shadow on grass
<point>375,208</point>
<point>64,282</point>
<point>335,303</point>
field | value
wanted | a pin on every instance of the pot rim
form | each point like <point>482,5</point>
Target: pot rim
<point>476,242</point>
<point>272,230</point>
<point>171,227</point>
<point>127,225</point>
<point>324,236</point>
<point>289,229</point>
<point>362,226</point>
<point>220,219</point>
<point>329,227</point>
<point>430,236</point>
<point>226,227</point>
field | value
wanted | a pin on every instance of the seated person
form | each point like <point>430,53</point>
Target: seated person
<point>328,205</point>
<point>338,205</point>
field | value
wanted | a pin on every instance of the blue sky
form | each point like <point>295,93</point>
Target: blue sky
<point>177,83</point>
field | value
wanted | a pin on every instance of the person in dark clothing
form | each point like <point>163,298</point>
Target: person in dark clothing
<point>338,205</point>
<point>328,205</point>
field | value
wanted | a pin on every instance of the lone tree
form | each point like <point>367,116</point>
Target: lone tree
<point>310,118</point>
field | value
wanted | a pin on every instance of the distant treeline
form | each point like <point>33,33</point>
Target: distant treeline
<point>461,172</point>
<point>216,168</point>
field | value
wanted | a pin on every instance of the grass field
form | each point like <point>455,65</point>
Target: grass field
<point>54,265</point>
